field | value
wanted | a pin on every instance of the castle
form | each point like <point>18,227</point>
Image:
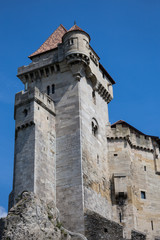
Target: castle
<point>104,178</point>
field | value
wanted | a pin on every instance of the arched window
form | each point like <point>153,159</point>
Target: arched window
<point>48,90</point>
<point>94,127</point>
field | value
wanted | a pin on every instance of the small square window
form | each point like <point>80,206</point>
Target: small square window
<point>143,195</point>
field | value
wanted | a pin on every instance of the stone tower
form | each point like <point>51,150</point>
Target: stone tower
<point>61,122</point>
<point>66,150</point>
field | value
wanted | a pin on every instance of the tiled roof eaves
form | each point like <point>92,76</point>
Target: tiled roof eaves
<point>53,49</point>
<point>77,30</point>
<point>106,73</point>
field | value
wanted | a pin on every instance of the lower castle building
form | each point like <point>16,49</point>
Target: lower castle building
<point>104,179</point>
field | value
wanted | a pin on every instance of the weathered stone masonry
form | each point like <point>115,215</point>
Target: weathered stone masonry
<point>103,178</point>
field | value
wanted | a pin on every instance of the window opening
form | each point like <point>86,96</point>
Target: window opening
<point>31,75</point>
<point>143,195</point>
<point>42,72</point>
<point>94,97</point>
<point>70,42</point>
<point>94,127</point>
<point>97,159</point>
<point>53,88</point>
<point>26,86</point>
<point>105,230</point>
<point>58,68</point>
<point>145,168</point>
<point>152,225</point>
<point>47,72</point>
<point>25,112</point>
<point>48,90</point>
<point>120,217</point>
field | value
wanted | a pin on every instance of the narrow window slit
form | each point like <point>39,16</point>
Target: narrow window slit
<point>152,225</point>
<point>53,88</point>
<point>48,90</point>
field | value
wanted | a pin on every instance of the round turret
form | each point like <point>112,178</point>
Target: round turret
<point>76,42</point>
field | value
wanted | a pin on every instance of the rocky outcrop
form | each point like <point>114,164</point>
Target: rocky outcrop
<point>32,218</point>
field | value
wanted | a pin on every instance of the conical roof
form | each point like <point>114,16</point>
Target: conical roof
<point>54,39</point>
<point>75,27</point>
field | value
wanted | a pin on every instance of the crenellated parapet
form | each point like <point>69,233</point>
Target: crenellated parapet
<point>37,71</point>
<point>135,140</point>
<point>73,53</point>
<point>26,98</point>
<point>34,94</point>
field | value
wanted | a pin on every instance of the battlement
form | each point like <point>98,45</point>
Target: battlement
<point>35,95</point>
<point>135,139</point>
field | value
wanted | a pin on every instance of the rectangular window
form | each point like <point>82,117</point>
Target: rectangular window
<point>26,86</point>
<point>94,97</point>
<point>48,90</point>
<point>58,67</point>
<point>152,225</point>
<point>143,195</point>
<point>97,159</point>
<point>120,217</point>
<point>145,168</point>
<point>53,88</point>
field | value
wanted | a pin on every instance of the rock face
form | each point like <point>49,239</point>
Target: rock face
<point>32,218</point>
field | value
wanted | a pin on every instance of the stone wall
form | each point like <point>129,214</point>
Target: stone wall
<point>91,165</point>
<point>133,156</point>
<point>68,152</point>
<point>34,161</point>
<point>98,227</point>
<point>94,110</point>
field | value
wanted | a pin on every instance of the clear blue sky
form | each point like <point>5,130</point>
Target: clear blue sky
<point>124,33</point>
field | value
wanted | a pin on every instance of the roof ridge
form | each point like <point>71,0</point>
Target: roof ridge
<point>54,40</point>
<point>63,27</point>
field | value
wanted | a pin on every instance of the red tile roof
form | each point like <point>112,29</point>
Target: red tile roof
<point>52,41</point>
<point>56,37</point>
<point>75,27</point>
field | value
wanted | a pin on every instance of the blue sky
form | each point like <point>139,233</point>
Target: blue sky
<point>124,33</point>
